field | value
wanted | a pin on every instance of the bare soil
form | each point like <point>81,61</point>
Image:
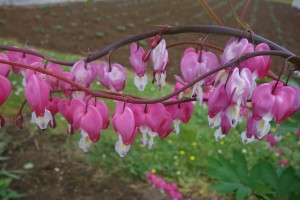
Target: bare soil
<point>60,172</point>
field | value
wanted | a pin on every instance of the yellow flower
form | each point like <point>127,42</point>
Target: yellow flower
<point>288,134</point>
<point>182,152</point>
<point>194,144</point>
<point>273,130</point>
<point>192,158</point>
<point>169,141</point>
<point>153,171</point>
<point>221,142</point>
<point>277,154</point>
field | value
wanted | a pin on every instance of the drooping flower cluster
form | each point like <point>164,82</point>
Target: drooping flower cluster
<point>170,189</point>
<point>229,94</point>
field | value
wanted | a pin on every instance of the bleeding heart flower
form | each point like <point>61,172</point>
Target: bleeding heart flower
<point>263,101</point>
<point>5,89</point>
<point>234,48</point>
<point>124,123</point>
<point>4,68</point>
<point>224,127</point>
<point>181,113</point>
<point>159,57</point>
<point>218,101</point>
<point>21,57</point>
<point>103,109</point>
<point>37,93</point>
<point>259,65</point>
<point>114,77</point>
<point>64,108</point>
<point>52,81</point>
<point>83,73</point>
<point>136,59</point>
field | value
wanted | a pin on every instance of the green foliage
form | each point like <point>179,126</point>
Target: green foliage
<point>6,176</point>
<point>264,180</point>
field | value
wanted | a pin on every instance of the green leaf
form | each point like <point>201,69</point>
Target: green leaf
<point>242,192</point>
<point>213,163</point>
<point>225,187</point>
<point>241,166</point>
<point>268,173</point>
<point>286,181</point>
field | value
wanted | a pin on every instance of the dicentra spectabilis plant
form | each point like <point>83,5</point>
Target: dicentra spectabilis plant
<point>231,82</point>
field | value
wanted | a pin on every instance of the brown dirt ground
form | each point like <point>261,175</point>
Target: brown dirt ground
<point>73,29</point>
<point>60,172</point>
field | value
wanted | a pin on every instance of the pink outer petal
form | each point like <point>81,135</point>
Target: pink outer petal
<point>296,105</point>
<point>65,109</point>
<point>52,105</point>
<point>22,58</point>
<point>5,89</point>
<point>92,123</point>
<point>262,100</point>
<point>103,109</point>
<point>189,66</point>
<point>284,99</point>
<point>29,72</point>
<point>234,49</point>
<point>78,109</point>
<point>165,127</point>
<point>117,77</point>
<point>4,68</point>
<point>186,111</point>
<point>251,127</point>
<point>83,73</point>
<point>138,112</point>
<point>55,68</point>
<point>159,57</point>
<point>211,62</point>
<point>125,125</point>
<point>65,85</point>
<point>37,93</point>
<point>154,115</point>
<point>188,50</point>
<point>218,101</point>
<point>103,69</point>
<point>225,124</point>
<point>136,59</point>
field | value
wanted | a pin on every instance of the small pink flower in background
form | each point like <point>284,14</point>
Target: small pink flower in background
<point>22,58</point>
<point>4,68</point>
<point>283,162</point>
<point>271,140</point>
<point>170,188</point>
<point>113,78</point>
<point>138,65</point>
